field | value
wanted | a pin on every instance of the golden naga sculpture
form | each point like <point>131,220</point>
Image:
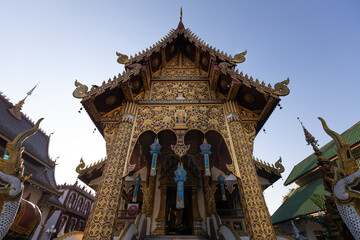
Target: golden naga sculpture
<point>281,88</point>
<point>240,57</point>
<point>80,91</point>
<point>345,183</point>
<point>81,166</point>
<point>122,58</point>
<point>11,182</point>
<point>279,166</point>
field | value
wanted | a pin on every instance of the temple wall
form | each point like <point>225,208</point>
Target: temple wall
<point>52,221</point>
<point>35,193</point>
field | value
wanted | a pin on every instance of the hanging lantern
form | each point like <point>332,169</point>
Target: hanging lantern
<point>180,178</point>
<point>205,150</point>
<point>222,185</point>
<point>137,183</point>
<point>155,150</point>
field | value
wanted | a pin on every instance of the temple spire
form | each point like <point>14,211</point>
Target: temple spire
<point>181,14</point>
<point>313,142</point>
<point>308,137</point>
<point>180,25</point>
<point>16,110</point>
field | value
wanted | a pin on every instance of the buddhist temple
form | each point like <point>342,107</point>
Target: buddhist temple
<point>40,190</point>
<point>179,125</point>
<point>306,205</point>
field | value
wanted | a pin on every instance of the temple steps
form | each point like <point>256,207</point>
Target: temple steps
<point>178,237</point>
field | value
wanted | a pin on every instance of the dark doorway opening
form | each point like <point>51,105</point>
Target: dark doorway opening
<point>178,221</point>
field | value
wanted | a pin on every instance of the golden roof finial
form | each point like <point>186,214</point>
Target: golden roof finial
<point>180,14</point>
<point>16,110</point>
<point>308,137</point>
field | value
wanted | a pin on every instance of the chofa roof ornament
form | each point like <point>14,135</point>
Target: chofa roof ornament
<point>281,88</point>
<point>122,58</point>
<point>80,91</point>
<point>240,57</point>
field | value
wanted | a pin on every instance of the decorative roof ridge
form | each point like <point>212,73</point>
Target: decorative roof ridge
<point>26,117</point>
<point>279,89</point>
<point>92,166</point>
<point>277,169</point>
<point>321,150</point>
<point>327,144</point>
<point>48,179</point>
<point>168,38</point>
<point>133,67</point>
<point>79,188</point>
<point>131,70</point>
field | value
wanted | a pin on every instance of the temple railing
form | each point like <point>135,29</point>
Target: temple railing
<point>234,219</point>
<point>134,230</point>
<point>220,230</point>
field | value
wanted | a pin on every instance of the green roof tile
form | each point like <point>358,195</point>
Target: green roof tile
<point>351,136</point>
<point>299,203</point>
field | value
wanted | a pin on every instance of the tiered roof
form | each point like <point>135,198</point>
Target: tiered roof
<point>351,136</point>
<point>36,148</point>
<point>132,68</point>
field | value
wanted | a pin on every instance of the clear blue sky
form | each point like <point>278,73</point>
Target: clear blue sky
<point>315,43</point>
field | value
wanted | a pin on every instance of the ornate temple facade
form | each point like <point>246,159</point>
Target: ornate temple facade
<point>40,189</point>
<point>179,126</point>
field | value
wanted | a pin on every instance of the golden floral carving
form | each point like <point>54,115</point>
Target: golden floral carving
<point>256,213</point>
<point>200,117</point>
<point>102,218</point>
<point>195,90</point>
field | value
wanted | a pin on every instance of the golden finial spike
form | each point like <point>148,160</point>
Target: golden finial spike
<point>308,137</point>
<point>181,14</point>
<point>16,110</point>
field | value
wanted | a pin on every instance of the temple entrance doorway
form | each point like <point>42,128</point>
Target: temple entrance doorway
<point>179,221</point>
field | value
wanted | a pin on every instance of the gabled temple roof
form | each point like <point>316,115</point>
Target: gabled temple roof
<point>10,127</point>
<point>299,202</point>
<point>219,69</point>
<point>37,161</point>
<point>351,136</point>
<point>227,61</point>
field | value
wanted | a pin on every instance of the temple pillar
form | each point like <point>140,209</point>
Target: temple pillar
<point>103,216</point>
<point>148,190</point>
<point>161,218</point>
<point>257,216</point>
<point>198,231</point>
<point>209,202</point>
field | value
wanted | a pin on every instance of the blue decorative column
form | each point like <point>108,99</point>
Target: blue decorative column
<point>222,185</point>
<point>155,150</point>
<point>205,151</point>
<point>180,178</point>
<point>137,183</point>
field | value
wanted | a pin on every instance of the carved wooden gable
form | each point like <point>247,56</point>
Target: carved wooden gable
<point>180,80</point>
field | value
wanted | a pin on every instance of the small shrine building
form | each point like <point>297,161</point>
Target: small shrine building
<point>179,126</point>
